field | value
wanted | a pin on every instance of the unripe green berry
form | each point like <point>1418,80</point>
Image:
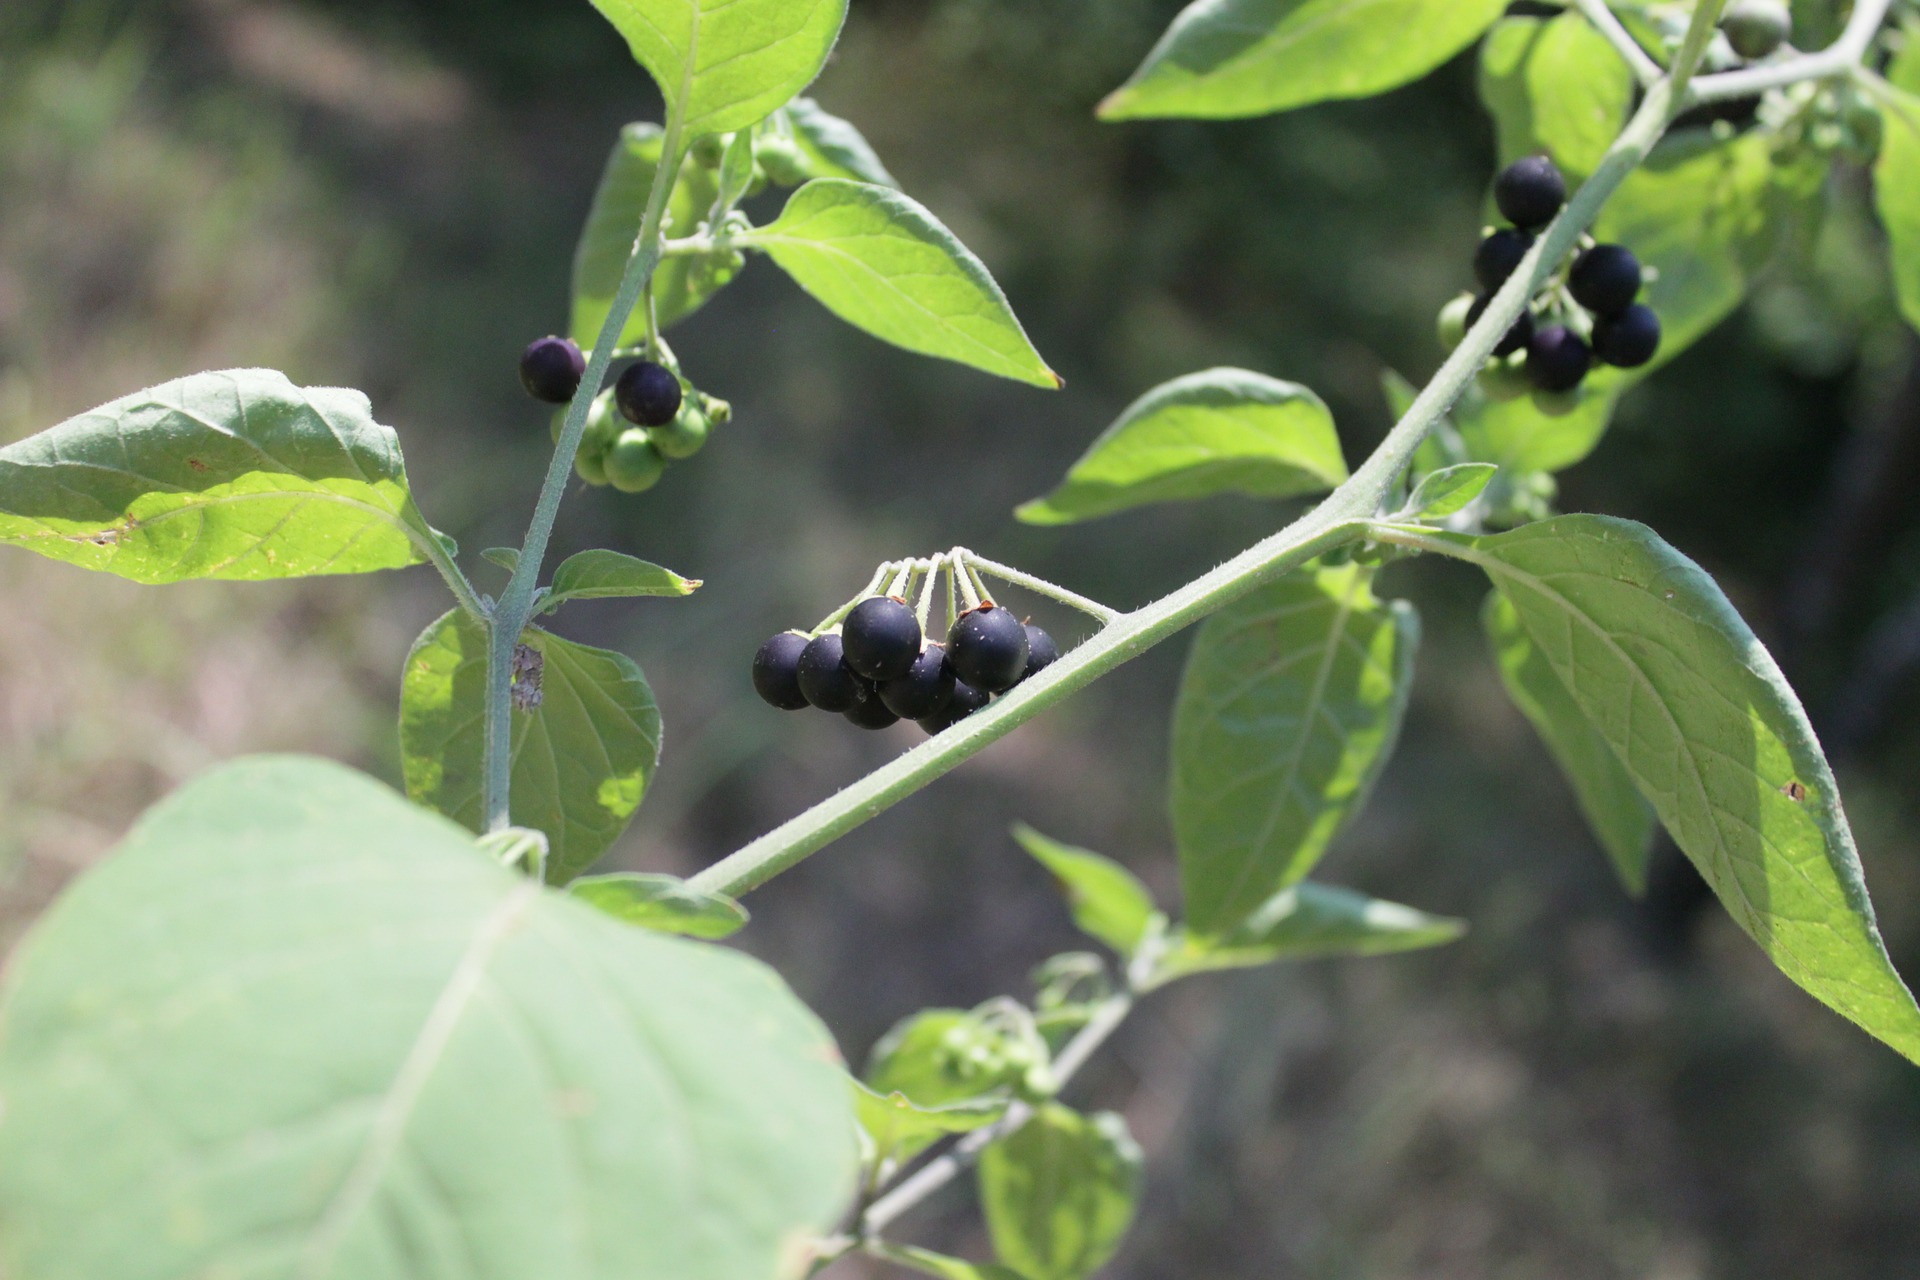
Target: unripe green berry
<point>685,435</point>
<point>1556,404</point>
<point>710,149</point>
<point>590,465</point>
<point>1757,28</point>
<point>781,159</point>
<point>1452,326</point>
<point>633,464</point>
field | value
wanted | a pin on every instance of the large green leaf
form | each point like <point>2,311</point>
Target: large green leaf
<point>1288,710</point>
<point>1308,921</point>
<point>236,475</point>
<point>582,758</point>
<point>881,262</point>
<point>1226,58</point>
<point>1897,176</point>
<point>725,64</point>
<point>1621,819</point>
<point>1218,431</point>
<point>300,1027</point>
<point>1060,1192</point>
<point>1554,85</point>
<point>1692,704</point>
<point>1107,900</point>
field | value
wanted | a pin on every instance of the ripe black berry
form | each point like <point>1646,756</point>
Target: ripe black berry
<point>924,690</point>
<point>1042,652</point>
<point>871,713</point>
<point>776,671</point>
<point>1605,279</point>
<point>1517,337</point>
<point>648,394</point>
<point>1529,192</point>
<point>965,701</point>
<point>882,638</point>
<point>1556,359</point>
<point>1498,256</point>
<point>988,648</point>
<point>551,369</point>
<point>1628,340</point>
<point>826,679</point>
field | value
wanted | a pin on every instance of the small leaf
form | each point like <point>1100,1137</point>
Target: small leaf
<point>1451,489</point>
<point>884,264</point>
<point>507,558</point>
<point>665,903</point>
<point>939,1057</point>
<point>901,1130</point>
<point>1308,921</point>
<point>1554,85</point>
<point>727,63</point>
<point>1622,821</point>
<point>1060,1192</point>
<point>1108,901</point>
<point>831,148</point>
<point>939,1265</point>
<point>1896,176</point>
<point>1227,58</point>
<point>582,759</point>
<point>1219,431</point>
<point>608,575</point>
<point>237,475</point>
<point>736,169</point>
<point>1289,708</point>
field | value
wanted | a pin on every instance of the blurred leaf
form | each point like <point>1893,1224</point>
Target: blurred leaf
<point>238,475</point>
<point>1897,177</point>
<point>939,1265</point>
<point>1621,819</point>
<point>582,759</point>
<point>1517,437</point>
<point>1227,58</point>
<point>727,63</point>
<point>608,575</point>
<point>884,264</point>
<point>1218,431</point>
<point>1554,85</point>
<point>1108,901</point>
<point>901,1130</point>
<point>1289,707</point>
<point>1694,707</point>
<point>939,1057</point>
<point>1449,490</point>
<point>832,148</point>
<point>665,903</point>
<point>1308,921</point>
<point>297,1025</point>
<point>1060,1192</point>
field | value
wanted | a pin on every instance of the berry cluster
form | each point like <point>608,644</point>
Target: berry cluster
<point>646,420</point>
<point>877,668</point>
<point>1593,314</point>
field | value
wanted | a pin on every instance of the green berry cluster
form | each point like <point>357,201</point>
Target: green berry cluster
<point>647,419</point>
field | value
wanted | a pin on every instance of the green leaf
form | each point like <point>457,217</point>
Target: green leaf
<point>901,1130</point>
<point>1218,431</point>
<point>725,64</point>
<point>1289,708</point>
<point>665,903</point>
<point>1308,921</point>
<point>1060,1192</point>
<point>830,147</point>
<point>582,759</point>
<point>1554,85</point>
<point>680,285</point>
<point>940,1057</point>
<point>1228,58</point>
<point>1449,490</point>
<point>507,558</point>
<point>1108,901</point>
<point>612,575</point>
<point>1694,707</point>
<point>300,1027</point>
<point>882,263</point>
<point>238,475</point>
<point>1517,437</point>
<point>1621,819</point>
<point>939,1265</point>
<point>1896,177</point>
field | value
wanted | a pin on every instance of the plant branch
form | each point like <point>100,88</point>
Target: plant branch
<point>456,580</point>
<point>1838,59</point>
<point>1644,68</point>
<point>1041,587</point>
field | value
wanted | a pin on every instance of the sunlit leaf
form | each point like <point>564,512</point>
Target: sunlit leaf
<point>1554,85</point>
<point>830,147</point>
<point>1060,1192</point>
<point>1449,490</point>
<point>1107,900</point>
<point>600,574</point>
<point>1309,921</point>
<point>1896,176</point>
<point>665,903</point>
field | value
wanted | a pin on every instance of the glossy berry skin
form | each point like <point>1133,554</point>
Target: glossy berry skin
<point>1517,337</point>
<point>825,678</point>
<point>924,690</point>
<point>648,394</point>
<point>1498,256</point>
<point>1557,360</point>
<point>1629,340</point>
<point>1757,28</point>
<point>551,369</point>
<point>1605,279</point>
<point>1042,652</point>
<point>685,436</point>
<point>965,701</point>
<point>988,648</point>
<point>882,638</point>
<point>871,713</point>
<point>1529,192</point>
<point>776,672</point>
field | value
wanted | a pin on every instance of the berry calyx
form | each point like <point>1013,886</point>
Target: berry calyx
<point>633,465</point>
<point>1517,337</point>
<point>1557,360</point>
<point>825,678</point>
<point>1529,192</point>
<point>551,369</point>
<point>1042,652</point>
<point>924,690</point>
<point>1628,340</point>
<point>965,701</point>
<point>1499,256</point>
<point>686,435</point>
<point>648,394</point>
<point>988,648</point>
<point>871,713</point>
<point>1605,279</point>
<point>882,638</point>
<point>776,671</point>
<point>1757,28</point>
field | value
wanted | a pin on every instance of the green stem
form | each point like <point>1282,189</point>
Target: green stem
<point>1041,587</point>
<point>456,580</point>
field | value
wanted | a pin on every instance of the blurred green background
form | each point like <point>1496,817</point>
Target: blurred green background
<point>385,195</point>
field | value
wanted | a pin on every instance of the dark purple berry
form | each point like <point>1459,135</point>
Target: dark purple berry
<point>1605,279</point>
<point>1529,192</point>
<point>1499,256</point>
<point>1628,340</point>
<point>776,671</point>
<point>871,713</point>
<point>826,679</point>
<point>648,394</point>
<point>924,690</point>
<point>965,701</point>
<point>1517,337</point>
<point>1042,652</point>
<point>1557,360</point>
<point>988,648</point>
<point>551,369</point>
<point>882,638</point>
